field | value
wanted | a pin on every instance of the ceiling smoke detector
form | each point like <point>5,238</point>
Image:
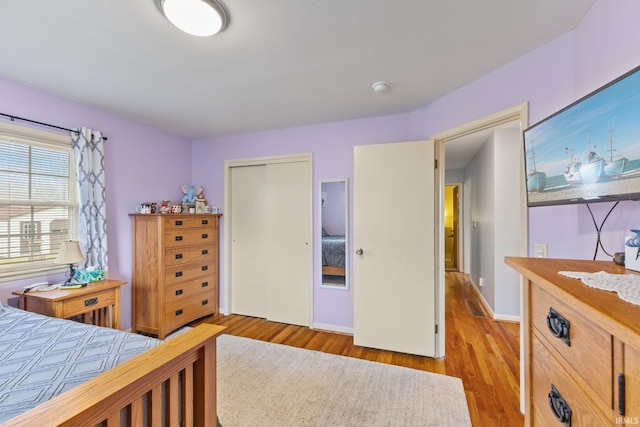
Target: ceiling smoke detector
<point>379,87</point>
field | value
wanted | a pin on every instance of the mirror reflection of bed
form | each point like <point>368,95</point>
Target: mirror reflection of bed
<point>334,233</point>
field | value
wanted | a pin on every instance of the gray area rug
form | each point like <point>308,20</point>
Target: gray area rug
<point>274,385</point>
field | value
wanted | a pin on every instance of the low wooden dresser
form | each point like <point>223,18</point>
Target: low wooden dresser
<point>581,347</point>
<point>175,270</point>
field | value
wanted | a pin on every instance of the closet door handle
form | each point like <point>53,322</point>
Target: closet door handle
<point>359,251</point>
<point>559,326</point>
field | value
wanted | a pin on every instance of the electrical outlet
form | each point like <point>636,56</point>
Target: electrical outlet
<point>540,250</point>
<point>481,282</point>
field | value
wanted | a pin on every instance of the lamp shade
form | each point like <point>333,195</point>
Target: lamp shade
<point>69,253</point>
<point>196,17</point>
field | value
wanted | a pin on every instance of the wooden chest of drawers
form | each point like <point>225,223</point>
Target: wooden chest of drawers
<point>581,347</point>
<point>175,270</point>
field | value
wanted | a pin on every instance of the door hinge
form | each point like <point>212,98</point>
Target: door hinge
<point>436,328</point>
<point>435,164</point>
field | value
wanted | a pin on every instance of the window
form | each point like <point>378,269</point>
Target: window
<point>38,199</point>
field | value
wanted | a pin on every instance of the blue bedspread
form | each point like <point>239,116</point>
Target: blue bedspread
<point>41,357</point>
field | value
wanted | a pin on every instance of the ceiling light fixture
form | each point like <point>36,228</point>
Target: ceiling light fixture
<point>379,87</point>
<point>196,17</point>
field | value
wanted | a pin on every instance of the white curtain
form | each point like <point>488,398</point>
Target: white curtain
<point>88,149</point>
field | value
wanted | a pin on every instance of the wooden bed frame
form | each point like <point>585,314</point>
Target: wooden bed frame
<point>333,271</point>
<point>184,366</point>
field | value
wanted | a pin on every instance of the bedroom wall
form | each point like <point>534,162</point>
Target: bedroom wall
<point>333,213</point>
<point>142,164</point>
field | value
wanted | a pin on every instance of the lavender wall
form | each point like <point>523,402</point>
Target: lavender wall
<point>334,211</point>
<point>142,164</point>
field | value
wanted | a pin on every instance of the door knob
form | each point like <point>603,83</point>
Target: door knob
<point>359,251</point>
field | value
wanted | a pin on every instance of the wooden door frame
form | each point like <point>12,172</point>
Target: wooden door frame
<point>256,161</point>
<point>519,113</point>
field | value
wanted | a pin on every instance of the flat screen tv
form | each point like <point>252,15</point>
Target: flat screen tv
<point>590,150</point>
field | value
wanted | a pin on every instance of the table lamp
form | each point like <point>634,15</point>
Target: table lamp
<point>69,254</point>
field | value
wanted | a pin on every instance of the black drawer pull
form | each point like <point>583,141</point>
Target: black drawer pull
<point>178,238</point>
<point>179,292</point>
<point>205,236</point>
<point>205,251</point>
<point>205,221</point>
<point>178,256</point>
<point>561,410</point>
<point>621,394</point>
<point>559,326</point>
<point>91,301</point>
<point>205,268</point>
<point>178,273</point>
<point>205,302</point>
<point>178,222</point>
<point>205,284</point>
<point>178,312</point>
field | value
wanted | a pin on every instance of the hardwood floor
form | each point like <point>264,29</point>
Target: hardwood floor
<point>484,353</point>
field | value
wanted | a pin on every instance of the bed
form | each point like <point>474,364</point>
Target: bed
<point>56,372</point>
<point>333,254</point>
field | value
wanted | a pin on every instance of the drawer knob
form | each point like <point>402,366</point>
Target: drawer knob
<point>205,284</point>
<point>178,238</point>
<point>205,236</point>
<point>179,292</point>
<point>178,312</point>
<point>560,408</point>
<point>559,326</point>
<point>205,302</point>
<point>204,268</point>
<point>178,222</point>
<point>178,256</point>
<point>204,251</point>
<point>178,273</point>
<point>205,221</point>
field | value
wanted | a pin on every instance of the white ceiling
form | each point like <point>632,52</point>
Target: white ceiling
<point>278,64</point>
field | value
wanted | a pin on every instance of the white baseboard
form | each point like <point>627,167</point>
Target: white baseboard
<point>494,316</point>
<point>333,328</point>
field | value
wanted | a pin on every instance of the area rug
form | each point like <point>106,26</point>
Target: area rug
<point>273,385</point>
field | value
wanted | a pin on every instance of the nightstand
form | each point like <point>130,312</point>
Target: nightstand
<point>98,303</point>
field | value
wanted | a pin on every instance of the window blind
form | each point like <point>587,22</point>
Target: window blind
<point>38,200</point>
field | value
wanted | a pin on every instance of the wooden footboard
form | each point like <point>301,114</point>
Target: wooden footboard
<point>333,271</point>
<point>173,384</point>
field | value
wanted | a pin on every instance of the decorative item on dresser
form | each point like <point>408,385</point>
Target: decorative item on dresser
<point>175,270</point>
<point>581,346</point>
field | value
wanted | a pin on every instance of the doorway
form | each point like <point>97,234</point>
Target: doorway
<point>451,229</point>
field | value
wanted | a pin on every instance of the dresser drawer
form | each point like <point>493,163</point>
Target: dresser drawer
<point>189,254</point>
<point>189,236</point>
<point>587,349</point>
<point>80,304</point>
<point>186,221</point>
<point>187,290</point>
<point>181,312</point>
<point>549,377</point>
<point>189,272</point>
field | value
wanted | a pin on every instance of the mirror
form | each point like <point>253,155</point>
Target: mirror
<point>335,233</point>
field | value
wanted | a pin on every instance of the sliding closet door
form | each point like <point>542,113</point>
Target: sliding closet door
<point>289,269</point>
<point>249,240</point>
<point>269,238</point>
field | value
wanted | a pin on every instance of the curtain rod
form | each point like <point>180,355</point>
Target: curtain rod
<point>12,117</point>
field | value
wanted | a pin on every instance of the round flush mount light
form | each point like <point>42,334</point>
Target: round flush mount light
<point>381,86</point>
<point>196,17</point>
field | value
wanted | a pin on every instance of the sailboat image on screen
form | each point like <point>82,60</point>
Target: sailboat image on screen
<point>614,168</point>
<point>590,171</point>
<point>536,180</point>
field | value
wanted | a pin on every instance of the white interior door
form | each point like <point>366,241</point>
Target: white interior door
<point>289,233</point>
<point>394,279</point>
<point>249,240</point>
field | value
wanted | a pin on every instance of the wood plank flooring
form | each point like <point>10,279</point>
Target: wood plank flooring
<point>484,353</point>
